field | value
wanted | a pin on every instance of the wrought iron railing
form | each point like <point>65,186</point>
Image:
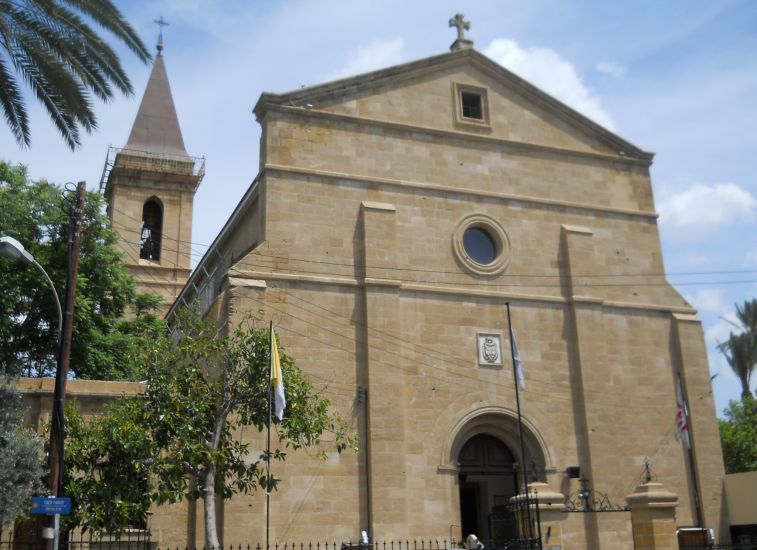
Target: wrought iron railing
<point>134,158</point>
<point>142,540</point>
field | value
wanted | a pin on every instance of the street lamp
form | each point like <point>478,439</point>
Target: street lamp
<point>11,249</point>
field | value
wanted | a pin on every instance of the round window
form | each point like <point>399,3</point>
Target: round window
<point>481,245</point>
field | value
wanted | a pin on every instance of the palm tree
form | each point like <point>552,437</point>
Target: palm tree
<point>747,315</point>
<point>50,47</point>
<point>739,350</point>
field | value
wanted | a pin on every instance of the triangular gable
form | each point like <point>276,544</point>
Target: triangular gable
<point>519,111</point>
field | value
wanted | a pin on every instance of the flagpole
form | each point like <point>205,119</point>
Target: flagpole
<point>690,451</point>
<point>520,421</point>
<point>268,444</point>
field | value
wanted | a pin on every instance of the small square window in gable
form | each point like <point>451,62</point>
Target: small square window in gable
<point>471,107</point>
<point>471,104</point>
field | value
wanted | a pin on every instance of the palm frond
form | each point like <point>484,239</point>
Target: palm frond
<point>68,48</point>
<point>13,105</point>
<point>63,96</point>
<point>739,351</point>
<point>53,48</point>
<point>107,15</point>
<point>747,315</point>
<point>82,39</point>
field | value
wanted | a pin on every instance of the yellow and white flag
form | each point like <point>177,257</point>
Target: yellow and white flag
<point>277,380</point>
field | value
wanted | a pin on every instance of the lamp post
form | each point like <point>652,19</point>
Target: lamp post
<point>11,249</point>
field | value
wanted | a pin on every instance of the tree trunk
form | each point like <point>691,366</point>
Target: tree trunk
<point>209,496</point>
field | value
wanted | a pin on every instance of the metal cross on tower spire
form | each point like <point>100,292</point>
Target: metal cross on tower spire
<point>161,23</point>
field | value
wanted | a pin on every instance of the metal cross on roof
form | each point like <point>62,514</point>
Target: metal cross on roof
<point>461,24</point>
<point>161,23</point>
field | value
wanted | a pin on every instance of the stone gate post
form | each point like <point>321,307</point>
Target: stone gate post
<point>551,506</point>
<point>653,517</point>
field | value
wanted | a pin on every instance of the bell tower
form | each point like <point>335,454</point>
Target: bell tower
<point>149,186</point>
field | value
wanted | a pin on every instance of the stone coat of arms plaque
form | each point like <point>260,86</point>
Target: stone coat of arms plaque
<point>489,345</point>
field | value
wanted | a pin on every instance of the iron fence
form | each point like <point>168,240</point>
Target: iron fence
<point>142,540</point>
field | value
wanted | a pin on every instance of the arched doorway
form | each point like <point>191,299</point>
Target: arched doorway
<point>488,480</point>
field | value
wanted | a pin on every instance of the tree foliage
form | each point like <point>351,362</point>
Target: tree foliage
<point>740,350</point>
<point>738,436</point>
<point>52,47</point>
<point>37,215</point>
<point>747,315</point>
<point>202,387</point>
<point>108,459</point>
<point>20,458</point>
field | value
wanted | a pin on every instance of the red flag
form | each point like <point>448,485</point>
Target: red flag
<point>682,415</point>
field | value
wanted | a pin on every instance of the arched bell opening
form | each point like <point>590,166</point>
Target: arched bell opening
<point>152,230</point>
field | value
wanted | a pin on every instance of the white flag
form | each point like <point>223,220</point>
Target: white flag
<point>682,415</point>
<point>518,365</point>
<point>277,379</point>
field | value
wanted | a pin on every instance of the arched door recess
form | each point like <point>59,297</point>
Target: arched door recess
<point>488,479</point>
<point>482,448</point>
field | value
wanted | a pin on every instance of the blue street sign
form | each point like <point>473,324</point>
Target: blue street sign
<point>51,505</point>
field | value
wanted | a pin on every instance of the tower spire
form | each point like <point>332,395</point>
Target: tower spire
<point>156,128</point>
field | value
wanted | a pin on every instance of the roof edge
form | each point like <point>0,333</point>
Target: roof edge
<point>300,98</point>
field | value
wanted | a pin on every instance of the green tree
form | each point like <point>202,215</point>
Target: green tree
<point>108,458</point>
<point>52,47</point>
<point>738,436</point>
<point>20,458</point>
<point>740,350</point>
<point>201,388</point>
<point>36,213</point>
<point>111,352</point>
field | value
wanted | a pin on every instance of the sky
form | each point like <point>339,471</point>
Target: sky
<point>678,78</point>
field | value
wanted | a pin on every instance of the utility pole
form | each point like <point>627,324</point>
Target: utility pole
<point>57,429</point>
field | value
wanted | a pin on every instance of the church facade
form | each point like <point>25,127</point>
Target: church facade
<point>394,218</point>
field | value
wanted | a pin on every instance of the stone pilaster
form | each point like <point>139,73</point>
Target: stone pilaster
<point>653,517</point>
<point>703,428</point>
<point>383,376</point>
<point>586,316</point>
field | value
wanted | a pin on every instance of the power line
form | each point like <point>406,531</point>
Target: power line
<point>488,284</point>
<point>608,400</point>
<point>358,265</point>
<point>458,361</point>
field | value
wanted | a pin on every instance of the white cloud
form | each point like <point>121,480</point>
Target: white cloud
<point>709,300</point>
<point>611,68</point>
<point>692,213</point>
<point>719,332</point>
<point>377,55</point>
<point>545,69</point>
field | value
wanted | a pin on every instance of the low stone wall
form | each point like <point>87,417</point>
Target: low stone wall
<point>91,396</point>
